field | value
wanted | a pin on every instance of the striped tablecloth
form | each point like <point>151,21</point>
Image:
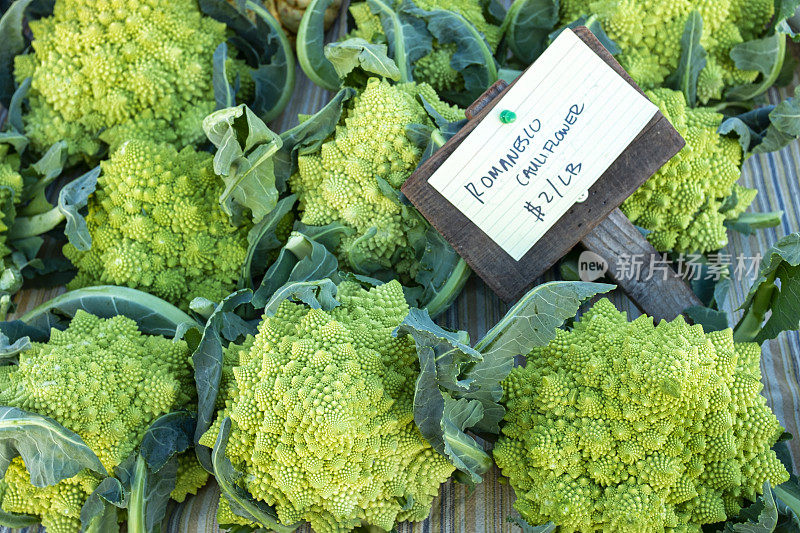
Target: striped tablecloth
<point>487,507</point>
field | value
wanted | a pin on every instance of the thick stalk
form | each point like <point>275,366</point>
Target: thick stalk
<point>299,246</point>
<point>136,506</point>
<point>750,325</point>
<point>25,227</point>
<point>450,290</point>
<point>286,46</point>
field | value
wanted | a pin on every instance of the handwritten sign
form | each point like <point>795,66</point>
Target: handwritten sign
<point>575,115</point>
<point>507,192</point>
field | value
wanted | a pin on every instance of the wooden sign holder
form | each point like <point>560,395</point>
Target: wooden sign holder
<point>597,223</point>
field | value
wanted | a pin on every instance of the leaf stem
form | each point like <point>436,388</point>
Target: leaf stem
<point>136,508</point>
<point>25,227</point>
<point>750,325</point>
<point>455,281</point>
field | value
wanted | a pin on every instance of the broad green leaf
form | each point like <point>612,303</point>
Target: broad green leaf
<point>50,451</point>
<point>473,57</point>
<point>153,315</point>
<point>692,61</point>
<point>311,44</point>
<point>785,9</point>
<point>48,167</point>
<point>766,129</point>
<point>407,36</point>
<point>710,319</point>
<point>14,43</point>
<point>319,294</point>
<point>458,446</point>
<point>150,475</point>
<point>207,361</point>
<point>168,435</point>
<point>241,502</point>
<point>532,322</point>
<point>15,106</point>
<point>99,511</point>
<point>764,55</point>
<point>9,350</point>
<point>749,127</point>
<point>17,329</point>
<point>224,92</point>
<point>17,141</point>
<point>264,45</point>
<point>767,519</point>
<point>788,499</point>
<point>355,60</point>
<point>780,266</point>
<point>749,223</point>
<point>245,146</point>
<point>442,274</point>
<point>274,80</point>
<point>527,26</point>
<point>307,256</point>
<point>308,136</point>
<point>592,24</point>
<point>71,199</point>
<point>262,241</point>
<point>443,357</point>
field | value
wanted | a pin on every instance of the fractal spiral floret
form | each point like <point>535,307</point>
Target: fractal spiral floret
<point>684,206</point>
<point>107,71</point>
<point>649,34</point>
<point>156,225</point>
<point>630,427</point>
<point>341,184</point>
<point>10,195</point>
<point>107,382</point>
<point>322,411</point>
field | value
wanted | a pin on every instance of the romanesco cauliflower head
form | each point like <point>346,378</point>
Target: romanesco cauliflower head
<point>682,204</point>
<point>322,411</point>
<point>340,183</point>
<point>434,68</point>
<point>630,427</point>
<point>156,225</point>
<point>107,382</point>
<point>649,35</point>
<point>113,70</point>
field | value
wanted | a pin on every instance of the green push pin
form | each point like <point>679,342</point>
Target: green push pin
<point>507,116</point>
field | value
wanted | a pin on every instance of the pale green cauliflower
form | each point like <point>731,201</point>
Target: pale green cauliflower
<point>322,411</point>
<point>106,71</point>
<point>682,205</point>
<point>433,68</point>
<point>107,382</point>
<point>630,427</point>
<point>156,225</point>
<point>649,34</point>
<point>340,182</point>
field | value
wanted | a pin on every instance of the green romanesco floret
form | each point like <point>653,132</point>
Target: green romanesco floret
<point>156,225</point>
<point>107,382</point>
<point>322,414</point>
<point>111,70</point>
<point>649,35</point>
<point>434,68</point>
<point>681,205</point>
<point>10,195</point>
<point>630,427</point>
<point>340,183</point>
